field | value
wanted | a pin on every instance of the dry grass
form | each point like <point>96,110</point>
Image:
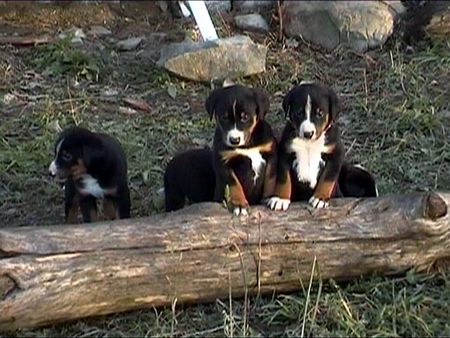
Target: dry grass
<point>395,121</point>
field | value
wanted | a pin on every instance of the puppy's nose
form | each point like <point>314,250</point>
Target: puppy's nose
<point>308,134</point>
<point>235,140</point>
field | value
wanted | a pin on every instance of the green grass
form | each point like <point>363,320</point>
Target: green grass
<point>62,57</point>
<point>395,121</point>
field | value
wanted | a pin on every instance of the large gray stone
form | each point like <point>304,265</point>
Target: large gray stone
<point>358,24</point>
<point>254,22</point>
<point>214,60</point>
<point>129,44</point>
<point>215,6</point>
<point>246,6</point>
<point>99,31</point>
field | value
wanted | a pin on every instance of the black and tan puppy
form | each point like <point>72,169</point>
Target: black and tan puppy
<point>244,146</point>
<point>93,166</point>
<point>189,176</point>
<point>310,152</point>
<point>356,181</point>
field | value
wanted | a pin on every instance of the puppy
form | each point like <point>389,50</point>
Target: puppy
<point>189,176</point>
<point>244,147</point>
<point>310,152</point>
<point>92,166</point>
<point>355,181</point>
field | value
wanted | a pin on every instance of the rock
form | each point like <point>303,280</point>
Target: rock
<point>99,31</point>
<point>110,92</point>
<point>216,6</point>
<point>439,23</point>
<point>254,22</point>
<point>9,99</point>
<point>358,24</point>
<point>292,43</point>
<point>396,6</point>
<point>214,60</point>
<point>426,17</point>
<point>253,5</point>
<point>129,44</point>
<point>76,41</point>
<point>74,32</point>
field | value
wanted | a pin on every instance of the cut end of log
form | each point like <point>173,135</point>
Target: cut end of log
<point>435,207</point>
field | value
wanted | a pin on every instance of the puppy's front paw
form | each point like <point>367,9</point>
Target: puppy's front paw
<point>318,203</point>
<point>238,211</point>
<point>278,204</point>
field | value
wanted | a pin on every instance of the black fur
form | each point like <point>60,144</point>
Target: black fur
<point>242,108</point>
<point>189,175</point>
<point>96,155</point>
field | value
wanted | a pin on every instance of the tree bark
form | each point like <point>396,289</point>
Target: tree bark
<point>56,273</point>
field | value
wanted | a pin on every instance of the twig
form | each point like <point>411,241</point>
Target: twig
<point>174,318</point>
<point>319,292</point>
<point>302,334</point>
<point>351,147</point>
<point>230,300</point>
<point>258,275</point>
<point>244,276</point>
<point>366,90</point>
<point>280,18</point>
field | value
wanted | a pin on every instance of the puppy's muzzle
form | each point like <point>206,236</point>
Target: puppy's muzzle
<point>308,134</point>
<point>307,130</point>
<point>52,169</point>
<point>57,174</point>
<point>234,140</point>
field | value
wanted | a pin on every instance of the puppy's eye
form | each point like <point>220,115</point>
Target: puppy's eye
<point>66,157</point>
<point>245,117</point>
<point>319,113</point>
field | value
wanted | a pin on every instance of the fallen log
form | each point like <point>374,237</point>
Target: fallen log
<point>56,273</point>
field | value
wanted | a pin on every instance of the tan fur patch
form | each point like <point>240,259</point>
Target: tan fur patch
<point>227,155</point>
<point>110,211</point>
<point>72,216</point>
<point>284,190</point>
<point>237,194</point>
<point>323,128</point>
<point>78,169</point>
<point>252,127</point>
<point>324,189</point>
<point>269,180</point>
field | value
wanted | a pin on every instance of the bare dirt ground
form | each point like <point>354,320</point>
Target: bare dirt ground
<point>395,121</point>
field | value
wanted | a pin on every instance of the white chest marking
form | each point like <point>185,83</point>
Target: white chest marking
<point>308,159</point>
<point>91,187</point>
<point>257,160</point>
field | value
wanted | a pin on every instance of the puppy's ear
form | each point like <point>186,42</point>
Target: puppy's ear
<point>287,103</point>
<point>94,154</point>
<point>210,102</point>
<point>262,102</point>
<point>333,104</point>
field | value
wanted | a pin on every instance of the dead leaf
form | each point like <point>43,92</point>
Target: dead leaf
<point>172,91</point>
<point>138,104</point>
